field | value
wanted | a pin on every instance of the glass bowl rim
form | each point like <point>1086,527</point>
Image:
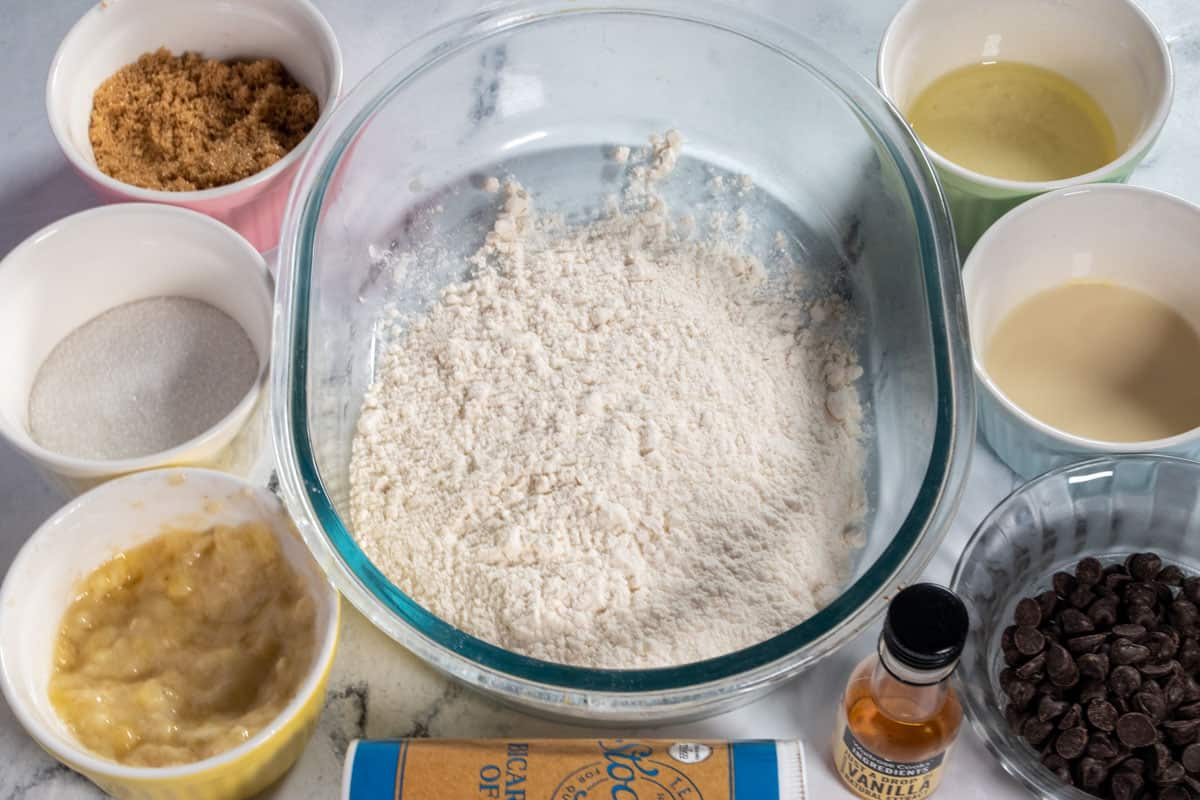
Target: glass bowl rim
<point>1015,756</point>
<point>480,662</point>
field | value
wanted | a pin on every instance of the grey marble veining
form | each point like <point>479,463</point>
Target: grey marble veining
<point>377,688</point>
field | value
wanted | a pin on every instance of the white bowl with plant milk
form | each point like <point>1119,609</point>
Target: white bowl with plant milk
<point>1084,313</point>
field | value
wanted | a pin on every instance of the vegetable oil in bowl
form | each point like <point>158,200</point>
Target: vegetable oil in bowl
<point>1014,121</point>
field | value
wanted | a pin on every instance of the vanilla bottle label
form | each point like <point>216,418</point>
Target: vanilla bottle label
<point>875,778</point>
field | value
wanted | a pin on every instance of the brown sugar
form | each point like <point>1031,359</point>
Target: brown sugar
<point>183,123</point>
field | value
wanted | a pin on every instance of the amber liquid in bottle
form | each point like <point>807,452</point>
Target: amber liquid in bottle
<point>899,714</point>
<point>904,727</point>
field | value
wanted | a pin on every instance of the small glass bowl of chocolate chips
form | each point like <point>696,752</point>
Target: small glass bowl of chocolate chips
<point>1082,669</point>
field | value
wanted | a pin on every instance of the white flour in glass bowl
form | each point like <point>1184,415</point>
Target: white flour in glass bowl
<point>615,445</point>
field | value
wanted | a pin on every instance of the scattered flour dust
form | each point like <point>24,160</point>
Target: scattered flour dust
<point>613,446</point>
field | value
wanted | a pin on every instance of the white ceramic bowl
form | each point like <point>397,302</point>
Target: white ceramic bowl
<point>1135,237</point>
<point>115,32</point>
<point>90,530</point>
<point>1113,51</point>
<point>81,266</point>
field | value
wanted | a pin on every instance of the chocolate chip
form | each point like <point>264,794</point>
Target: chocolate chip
<point>1088,643</point>
<point>1015,717</point>
<point>1129,631</point>
<point>1142,615</point>
<point>1162,645</point>
<point>1092,690</point>
<point>1190,758</point>
<point>1175,691</point>
<point>1102,715</point>
<point>1047,603</point>
<point>1143,566</point>
<point>1134,730</point>
<point>1033,669</point>
<point>1064,583</point>
<point>1050,709</point>
<point>1103,612</point>
<point>1134,765</point>
<point>1126,652</point>
<point>1030,641</point>
<point>1012,657</point>
<point>1091,665</point>
<point>1191,589</point>
<point>1101,746</point>
<point>1072,719</point>
<point>1051,690</point>
<point>1028,613</point>
<point>1189,711</point>
<point>1081,597</point>
<point>1171,575</point>
<point>1160,755</point>
<point>1141,594</point>
<point>1021,693</point>
<point>1124,681</point>
<point>1155,671</point>
<point>1116,581</point>
<point>1126,785</point>
<point>1091,772</point>
<point>1169,774</point>
<point>1174,791</point>
<point>1181,732</point>
<point>1151,705</point>
<point>1036,732</point>
<point>1059,766</point>
<point>1075,622</point>
<point>1189,655</point>
<point>1184,615</point>
<point>1070,744</point>
<point>1060,666</point>
<point>1089,571</point>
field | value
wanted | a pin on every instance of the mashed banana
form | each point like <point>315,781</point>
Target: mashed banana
<point>183,647</point>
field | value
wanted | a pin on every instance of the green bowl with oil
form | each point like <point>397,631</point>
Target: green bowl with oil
<point>1015,99</point>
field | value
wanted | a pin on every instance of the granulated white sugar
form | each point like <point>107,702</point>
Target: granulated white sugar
<point>614,446</point>
<point>141,378</point>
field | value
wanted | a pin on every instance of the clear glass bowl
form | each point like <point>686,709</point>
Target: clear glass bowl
<point>544,92</point>
<point>1106,507</point>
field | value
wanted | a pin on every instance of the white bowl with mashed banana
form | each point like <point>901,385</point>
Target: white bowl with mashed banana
<point>168,635</point>
<point>1084,311</point>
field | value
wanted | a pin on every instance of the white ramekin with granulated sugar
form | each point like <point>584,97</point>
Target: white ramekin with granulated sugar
<point>84,265</point>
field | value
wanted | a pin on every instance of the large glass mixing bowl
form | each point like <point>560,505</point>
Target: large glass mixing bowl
<point>544,92</point>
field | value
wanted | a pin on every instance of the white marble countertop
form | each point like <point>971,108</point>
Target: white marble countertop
<point>378,689</point>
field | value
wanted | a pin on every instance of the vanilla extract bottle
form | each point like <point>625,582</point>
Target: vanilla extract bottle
<point>899,715</point>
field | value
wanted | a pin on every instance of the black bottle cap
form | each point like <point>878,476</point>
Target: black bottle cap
<point>926,627</point>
